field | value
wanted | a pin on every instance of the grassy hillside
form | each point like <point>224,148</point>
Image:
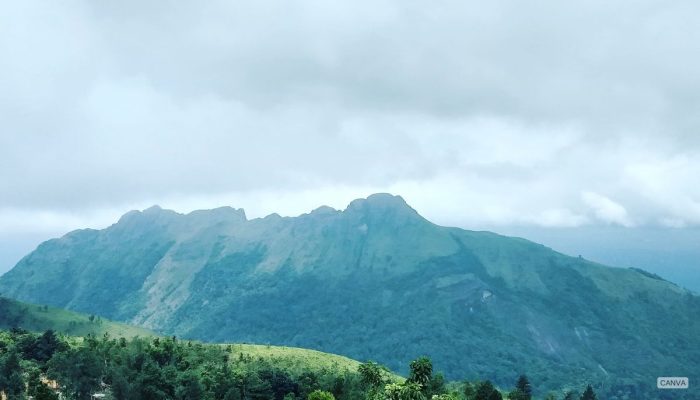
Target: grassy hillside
<point>39,318</point>
<point>295,359</point>
<point>291,358</point>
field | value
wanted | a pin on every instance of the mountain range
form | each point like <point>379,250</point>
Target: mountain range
<point>375,281</point>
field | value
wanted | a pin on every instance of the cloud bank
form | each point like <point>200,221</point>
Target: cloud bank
<point>507,113</point>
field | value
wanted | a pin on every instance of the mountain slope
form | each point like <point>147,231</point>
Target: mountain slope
<point>374,281</point>
<point>15,314</point>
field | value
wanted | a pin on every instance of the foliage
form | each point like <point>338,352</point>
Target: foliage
<point>522,391</point>
<point>421,371</point>
<point>167,368</point>
<point>588,394</point>
<point>320,395</point>
<point>11,379</point>
<point>569,395</point>
<point>486,391</point>
<point>160,368</point>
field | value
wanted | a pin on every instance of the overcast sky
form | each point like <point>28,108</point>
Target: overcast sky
<point>496,113</point>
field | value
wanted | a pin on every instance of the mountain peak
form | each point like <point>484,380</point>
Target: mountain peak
<point>381,203</point>
<point>380,200</point>
<point>324,210</point>
<point>225,213</point>
<point>154,211</point>
<point>383,207</point>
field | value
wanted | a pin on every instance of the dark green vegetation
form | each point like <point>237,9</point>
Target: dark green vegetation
<point>44,365</point>
<point>376,281</point>
<point>157,368</point>
<point>40,318</point>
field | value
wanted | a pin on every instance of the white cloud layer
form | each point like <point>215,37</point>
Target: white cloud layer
<point>500,113</point>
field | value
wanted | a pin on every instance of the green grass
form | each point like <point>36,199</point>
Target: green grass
<point>38,318</point>
<point>295,360</point>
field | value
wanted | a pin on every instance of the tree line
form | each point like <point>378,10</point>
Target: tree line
<point>42,366</point>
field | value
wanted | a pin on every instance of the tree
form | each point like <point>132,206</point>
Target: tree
<point>485,391</point>
<point>258,389</point>
<point>189,387</point>
<point>469,391</point>
<point>79,371</point>
<point>149,383</point>
<point>121,388</point>
<point>307,382</point>
<point>523,389</point>
<point>588,394</point>
<point>11,379</point>
<point>411,391</point>
<point>43,392</point>
<point>15,386</point>
<point>436,386</point>
<point>371,374</point>
<point>320,395</point>
<point>569,395</point>
<point>392,391</point>
<point>523,385</point>
<point>45,346</point>
<point>233,394</point>
<point>372,379</point>
<point>495,395</point>
<point>421,371</point>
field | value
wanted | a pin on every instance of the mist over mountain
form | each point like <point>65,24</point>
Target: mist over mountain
<point>374,281</point>
<point>672,253</point>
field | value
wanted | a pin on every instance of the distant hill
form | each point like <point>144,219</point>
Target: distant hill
<point>673,253</point>
<point>375,281</point>
<point>15,314</point>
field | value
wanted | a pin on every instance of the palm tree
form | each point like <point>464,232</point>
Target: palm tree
<point>412,391</point>
<point>371,374</point>
<point>421,371</point>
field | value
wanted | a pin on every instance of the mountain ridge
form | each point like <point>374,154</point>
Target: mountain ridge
<point>377,269</point>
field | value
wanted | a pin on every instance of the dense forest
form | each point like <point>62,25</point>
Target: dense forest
<point>50,366</point>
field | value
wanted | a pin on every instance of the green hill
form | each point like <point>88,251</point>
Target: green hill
<point>166,368</point>
<point>375,281</point>
<point>36,318</point>
<point>294,358</point>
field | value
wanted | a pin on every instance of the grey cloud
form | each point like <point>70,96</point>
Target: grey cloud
<point>612,64</point>
<point>513,110</point>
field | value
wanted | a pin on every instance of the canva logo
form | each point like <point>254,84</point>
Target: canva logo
<point>666,382</point>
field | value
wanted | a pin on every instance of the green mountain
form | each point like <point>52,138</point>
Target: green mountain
<point>375,281</point>
<point>36,318</point>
